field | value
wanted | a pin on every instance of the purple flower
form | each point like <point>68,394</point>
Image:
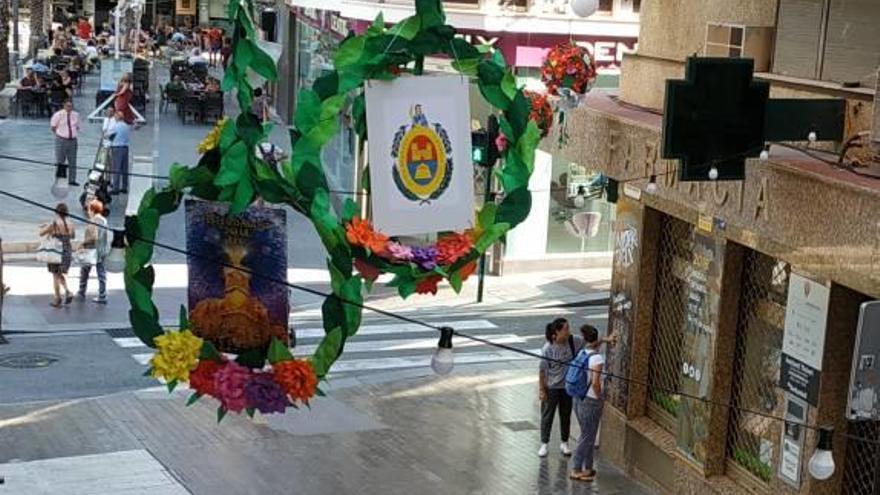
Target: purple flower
<point>425,257</point>
<point>265,395</point>
<point>400,252</point>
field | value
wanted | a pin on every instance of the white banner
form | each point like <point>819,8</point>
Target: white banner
<point>421,173</point>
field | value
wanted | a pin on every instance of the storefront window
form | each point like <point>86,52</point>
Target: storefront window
<point>578,225</point>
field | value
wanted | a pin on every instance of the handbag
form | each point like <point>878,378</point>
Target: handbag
<point>86,257</point>
<point>49,250</point>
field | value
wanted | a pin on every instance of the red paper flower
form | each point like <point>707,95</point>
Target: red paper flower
<point>360,233</point>
<point>428,285</point>
<point>368,271</point>
<point>201,379</point>
<point>467,270</point>
<point>452,247</point>
<point>541,113</point>
<point>297,378</point>
<point>568,65</point>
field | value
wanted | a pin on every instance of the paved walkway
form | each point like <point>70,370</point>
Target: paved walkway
<point>474,433</point>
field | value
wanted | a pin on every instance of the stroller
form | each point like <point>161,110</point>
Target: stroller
<point>97,184</point>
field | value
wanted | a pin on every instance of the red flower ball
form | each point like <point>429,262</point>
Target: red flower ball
<point>568,65</point>
<point>542,112</point>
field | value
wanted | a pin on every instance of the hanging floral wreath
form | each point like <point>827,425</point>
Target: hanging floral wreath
<point>542,111</point>
<point>568,66</point>
<point>270,378</point>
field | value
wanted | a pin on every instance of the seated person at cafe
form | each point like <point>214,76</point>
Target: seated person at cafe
<point>212,85</point>
<point>196,58</point>
<point>175,84</point>
<point>57,57</point>
<point>29,80</point>
<point>69,50</point>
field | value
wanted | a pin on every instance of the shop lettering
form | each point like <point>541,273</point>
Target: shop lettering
<point>625,153</point>
<point>608,51</point>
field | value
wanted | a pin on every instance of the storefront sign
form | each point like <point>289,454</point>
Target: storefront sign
<point>864,385</point>
<point>698,349</point>
<point>792,442</point>
<point>803,343</point>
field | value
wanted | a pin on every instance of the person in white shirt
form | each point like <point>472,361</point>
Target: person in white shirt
<point>589,409</point>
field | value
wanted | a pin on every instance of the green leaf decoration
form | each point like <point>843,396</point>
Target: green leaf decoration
<point>210,352</point>
<point>308,110</point>
<point>184,318</point>
<point>467,67</point>
<point>515,207</point>
<point>278,352</point>
<point>250,412</point>
<point>491,235</point>
<point>171,385</point>
<point>455,282</point>
<point>233,165</point>
<point>430,12</point>
<point>407,28</point>
<point>327,351</point>
<point>378,25</point>
<point>508,85</point>
<point>350,51</point>
<point>320,393</point>
<point>221,411</point>
<point>193,399</point>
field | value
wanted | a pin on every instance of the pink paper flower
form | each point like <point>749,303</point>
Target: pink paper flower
<point>399,251</point>
<point>501,142</point>
<point>229,383</point>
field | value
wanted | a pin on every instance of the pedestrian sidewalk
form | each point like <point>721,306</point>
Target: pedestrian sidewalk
<point>467,433</point>
<point>26,307</point>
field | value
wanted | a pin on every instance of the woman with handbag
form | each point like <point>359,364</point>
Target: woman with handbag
<point>55,250</point>
<point>94,250</point>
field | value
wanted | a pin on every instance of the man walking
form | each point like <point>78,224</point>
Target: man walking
<point>65,125</point>
<point>119,133</point>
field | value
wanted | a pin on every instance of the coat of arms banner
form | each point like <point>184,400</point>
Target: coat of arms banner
<point>421,173</point>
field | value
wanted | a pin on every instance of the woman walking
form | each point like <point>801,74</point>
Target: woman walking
<point>61,229</point>
<point>123,95</point>
<point>95,249</point>
<point>560,348</point>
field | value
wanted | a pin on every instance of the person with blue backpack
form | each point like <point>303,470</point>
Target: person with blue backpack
<point>584,383</point>
<point>560,348</point>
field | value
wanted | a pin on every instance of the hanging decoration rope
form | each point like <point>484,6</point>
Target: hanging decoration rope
<point>270,378</point>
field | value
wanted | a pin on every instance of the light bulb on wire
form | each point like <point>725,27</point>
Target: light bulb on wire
<point>580,199</point>
<point>812,137</point>
<point>713,173</point>
<point>765,153</point>
<point>115,261</point>
<point>822,462</point>
<point>584,8</point>
<point>652,184</point>
<point>443,360</point>
<point>60,187</point>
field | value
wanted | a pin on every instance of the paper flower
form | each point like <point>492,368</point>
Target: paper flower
<point>264,394</point>
<point>177,354</point>
<point>399,252</point>
<point>229,383</point>
<point>542,111</point>
<point>428,285</point>
<point>568,65</point>
<point>467,270</point>
<point>213,138</point>
<point>297,378</point>
<point>201,379</point>
<point>452,247</point>
<point>501,142</point>
<point>360,233</point>
<point>425,257</point>
<point>368,271</point>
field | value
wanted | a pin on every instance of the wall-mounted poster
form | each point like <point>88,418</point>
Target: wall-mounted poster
<point>236,310</point>
<point>421,173</point>
<point>803,343</point>
<point>185,7</point>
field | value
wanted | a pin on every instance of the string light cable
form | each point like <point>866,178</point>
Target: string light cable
<point>444,330</point>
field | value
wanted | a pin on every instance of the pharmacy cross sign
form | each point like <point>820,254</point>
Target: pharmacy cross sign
<point>719,115</point>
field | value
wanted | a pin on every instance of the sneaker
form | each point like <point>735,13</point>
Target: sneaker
<point>100,300</point>
<point>563,447</point>
<point>542,452</point>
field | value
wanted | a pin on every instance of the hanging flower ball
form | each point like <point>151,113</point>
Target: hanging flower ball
<point>297,378</point>
<point>542,111</point>
<point>177,354</point>
<point>568,66</point>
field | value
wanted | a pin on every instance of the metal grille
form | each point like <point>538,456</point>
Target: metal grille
<point>862,457</point>
<point>752,439</point>
<point>676,252</point>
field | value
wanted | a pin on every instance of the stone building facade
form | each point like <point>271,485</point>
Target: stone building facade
<point>704,271</point>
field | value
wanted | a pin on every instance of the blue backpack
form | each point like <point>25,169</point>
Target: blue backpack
<point>577,378</point>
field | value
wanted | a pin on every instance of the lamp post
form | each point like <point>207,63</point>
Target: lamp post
<point>16,5</point>
<point>484,145</point>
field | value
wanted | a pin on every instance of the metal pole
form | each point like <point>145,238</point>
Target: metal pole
<point>491,157</point>
<point>15,47</point>
<point>487,189</point>
<point>116,15</point>
<point>2,297</point>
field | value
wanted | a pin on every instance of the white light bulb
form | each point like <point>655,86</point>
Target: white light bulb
<point>60,188</point>
<point>443,361</point>
<point>579,201</point>
<point>584,8</point>
<point>821,464</point>
<point>115,261</point>
<point>765,155</point>
<point>652,187</point>
<point>812,137</point>
<point>713,173</point>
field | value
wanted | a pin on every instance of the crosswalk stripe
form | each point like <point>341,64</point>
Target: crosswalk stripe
<point>384,329</point>
<point>367,364</point>
<point>127,342</point>
<point>143,358</point>
<point>416,344</point>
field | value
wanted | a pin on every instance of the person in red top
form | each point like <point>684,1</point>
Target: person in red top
<point>84,29</point>
<point>215,40</point>
<point>123,98</point>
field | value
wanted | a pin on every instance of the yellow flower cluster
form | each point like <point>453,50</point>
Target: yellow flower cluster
<point>177,354</point>
<point>212,140</point>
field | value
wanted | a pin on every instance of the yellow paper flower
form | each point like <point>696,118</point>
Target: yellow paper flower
<point>177,354</point>
<point>212,140</point>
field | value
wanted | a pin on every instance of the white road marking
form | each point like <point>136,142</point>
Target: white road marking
<point>393,328</point>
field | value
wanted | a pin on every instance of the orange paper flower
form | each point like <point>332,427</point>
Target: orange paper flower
<point>452,247</point>
<point>360,233</point>
<point>468,270</point>
<point>428,285</point>
<point>297,378</point>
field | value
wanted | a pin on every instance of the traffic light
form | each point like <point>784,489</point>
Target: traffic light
<point>484,152</point>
